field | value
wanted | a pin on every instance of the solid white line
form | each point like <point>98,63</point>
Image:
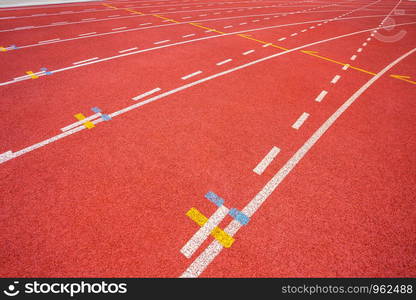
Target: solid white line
<point>188,35</point>
<point>119,28</point>
<point>321,96</point>
<point>161,42</point>
<point>80,122</point>
<point>48,41</point>
<point>248,52</point>
<point>86,33</point>
<point>335,79</point>
<point>203,233</point>
<point>265,162</point>
<point>191,75</point>
<point>127,50</point>
<point>299,122</point>
<point>223,62</point>
<point>146,94</point>
<point>82,61</point>
<point>209,254</point>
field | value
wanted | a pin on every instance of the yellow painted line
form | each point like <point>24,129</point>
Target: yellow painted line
<point>222,237</point>
<point>2,49</point>
<point>32,75</point>
<point>207,28</point>
<point>87,124</point>
<point>404,78</point>
<point>110,6</point>
<point>171,20</point>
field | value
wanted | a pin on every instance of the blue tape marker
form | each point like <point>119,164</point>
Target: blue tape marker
<point>239,216</point>
<point>103,116</point>
<point>214,198</point>
<point>46,71</point>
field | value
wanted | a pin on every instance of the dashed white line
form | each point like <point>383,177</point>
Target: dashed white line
<point>359,49</point>
<point>229,26</point>
<point>191,75</point>
<point>335,79</point>
<point>82,61</point>
<point>299,122</point>
<point>353,57</point>
<point>281,39</point>
<point>224,62</point>
<point>188,35</point>
<point>49,41</point>
<point>145,24</point>
<point>146,94</point>
<point>248,52</point>
<point>265,162</point>
<point>293,34</point>
<point>127,50</point>
<point>119,28</point>
<point>161,42</point>
<point>321,96</point>
<point>345,67</point>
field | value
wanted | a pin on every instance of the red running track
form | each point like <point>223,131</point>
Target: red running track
<point>230,81</point>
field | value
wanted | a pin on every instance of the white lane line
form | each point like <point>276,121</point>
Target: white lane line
<point>293,34</point>
<point>24,27</point>
<point>244,23</point>
<point>265,162</point>
<point>127,50</point>
<point>229,26</point>
<point>223,62</point>
<point>369,39</point>
<point>146,94</point>
<point>335,79</point>
<point>145,24</point>
<point>89,19</point>
<point>188,35</point>
<point>161,42</point>
<point>299,122</point>
<point>321,96</point>
<point>119,28</point>
<point>203,233</point>
<point>191,75</point>
<point>281,39</point>
<point>82,61</point>
<point>312,27</point>
<point>345,67</point>
<point>248,52</point>
<point>88,33</point>
<point>209,254</point>
<point>49,41</point>
<point>359,49</point>
<point>78,123</point>
<point>353,57</point>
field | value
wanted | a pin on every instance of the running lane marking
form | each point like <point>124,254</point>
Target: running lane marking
<point>146,94</point>
<point>299,122</point>
<point>265,162</point>
<point>208,255</point>
<point>321,96</point>
<point>191,75</point>
<point>127,50</point>
<point>335,79</point>
<point>223,62</point>
<point>248,52</point>
<point>83,61</point>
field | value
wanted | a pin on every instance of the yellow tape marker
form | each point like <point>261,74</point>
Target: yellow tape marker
<point>87,124</point>
<point>32,75</point>
<point>2,49</point>
<point>221,236</point>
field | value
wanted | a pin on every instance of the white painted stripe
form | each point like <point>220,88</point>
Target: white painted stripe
<point>369,39</point>
<point>265,162</point>
<point>229,26</point>
<point>248,52</point>
<point>359,49</point>
<point>78,123</point>
<point>303,30</point>
<point>365,44</point>
<point>353,57</point>
<point>112,16</point>
<point>191,75</point>
<point>24,27</point>
<point>267,45</point>
<point>82,61</point>
<point>321,96</point>
<point>188,35</point>
<point>127,50</point>
<point>293,34</point>
<point>223,62</point>
<point>203,233</point>
<point>49,41</point>
<point>299,122</point>
<point>89,19</point>
<point>119,28</point>
<point>345,67</point>
<point>161,42</point>
<point>209,254</point>
<point>88,33</point>
<point>335,79</point>
<point>281,39</point>
<point>312,27</point>
<point>145,24</point>
<point>244,23</point>
<point>146,94</point>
